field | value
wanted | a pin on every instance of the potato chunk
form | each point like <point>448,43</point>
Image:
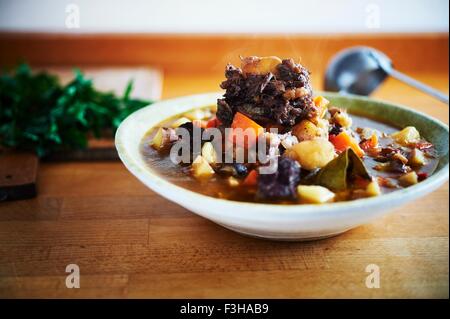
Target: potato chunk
<point>417,158</point>
<point>313,154</point>
<point>161,139</point>
<point>260,65</point>
<point>314,194</point>
<point>306,130</point>
<point>373,189</point>
<point>232,181</point>
<point>209,153</point>
<point>343,119</point>
<point>201,169</point>
<point>409,179</point>
<point>409,135</point>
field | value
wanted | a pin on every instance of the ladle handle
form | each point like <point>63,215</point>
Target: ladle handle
<point>418,85</point>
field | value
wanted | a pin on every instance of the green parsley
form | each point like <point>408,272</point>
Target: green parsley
<point>39,114</point>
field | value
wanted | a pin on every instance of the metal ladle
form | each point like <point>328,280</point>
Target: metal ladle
<point>360,70</point>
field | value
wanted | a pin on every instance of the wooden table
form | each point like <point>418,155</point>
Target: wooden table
<point>130,242</point>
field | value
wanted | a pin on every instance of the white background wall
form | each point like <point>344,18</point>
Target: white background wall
<point>225,16</point>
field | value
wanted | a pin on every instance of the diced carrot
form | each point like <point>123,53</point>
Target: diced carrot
<point>371,143</point>
<point>321,103</point>
<point>214,122</point>
<point>343,140</point>
<point>251,179</point>
<point>244,122</point>
<point>250,129</point>
<point>374,140</point>
<point>211,123</point>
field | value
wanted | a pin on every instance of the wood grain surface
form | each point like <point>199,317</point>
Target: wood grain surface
<point>130,242</point>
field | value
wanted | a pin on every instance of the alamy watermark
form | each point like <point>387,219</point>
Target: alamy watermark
<point>73,279</point>
<point>373,17</point>
<point>373,279</point>
<point>72,20</point>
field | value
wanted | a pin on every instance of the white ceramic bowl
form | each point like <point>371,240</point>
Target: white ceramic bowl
<point>279,222</point>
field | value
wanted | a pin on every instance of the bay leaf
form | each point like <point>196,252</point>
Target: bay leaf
<point>337,173</point>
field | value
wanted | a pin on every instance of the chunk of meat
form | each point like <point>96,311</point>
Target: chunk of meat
<point>281,184</point>
<point>282,97</point>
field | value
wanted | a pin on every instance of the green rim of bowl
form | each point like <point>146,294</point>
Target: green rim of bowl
<point>397,115</point>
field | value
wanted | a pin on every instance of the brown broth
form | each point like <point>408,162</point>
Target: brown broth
<point>218,187</point>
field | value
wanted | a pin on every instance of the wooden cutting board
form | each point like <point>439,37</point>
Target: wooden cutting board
<point>18,171</point>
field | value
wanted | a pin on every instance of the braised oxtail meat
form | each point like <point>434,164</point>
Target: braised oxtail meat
<point>282,183</point>
<point>267,92</point>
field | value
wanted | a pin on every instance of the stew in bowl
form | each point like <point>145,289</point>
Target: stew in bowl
<point>302,166</point>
